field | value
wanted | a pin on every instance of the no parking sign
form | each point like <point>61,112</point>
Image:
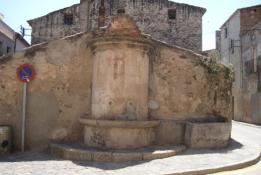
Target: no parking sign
<point>25,73</point>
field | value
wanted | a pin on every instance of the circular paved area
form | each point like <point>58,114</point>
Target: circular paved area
<point>33,163</point>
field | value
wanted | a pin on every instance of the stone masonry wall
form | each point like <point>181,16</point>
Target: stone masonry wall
<point>52,25</point>
<point>151,16</point>
<point>249,17</point>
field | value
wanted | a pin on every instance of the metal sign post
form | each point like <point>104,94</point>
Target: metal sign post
<point>25,73</point>
<point>23,115</point>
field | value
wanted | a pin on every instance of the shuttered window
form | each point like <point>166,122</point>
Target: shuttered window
<point>68,19</point>
<point>1,48</point>
<point>249,67</point>
<point>172,14</point>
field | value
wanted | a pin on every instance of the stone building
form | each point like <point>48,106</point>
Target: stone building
<point>174,23</point>
<point>120,89</point>
<point>10,41</point>
<point>240,46</point>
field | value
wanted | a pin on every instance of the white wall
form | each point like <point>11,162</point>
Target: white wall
<point>19,45</point>
<point>234,58</point>
<point>6,30</point>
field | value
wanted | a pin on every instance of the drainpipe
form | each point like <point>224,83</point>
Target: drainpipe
<point>15,41</point>
<point>241,63</point>
<point>242,76</point>
<point>101,18</point>
<point>259,74</point>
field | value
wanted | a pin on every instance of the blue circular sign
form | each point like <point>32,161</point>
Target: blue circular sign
<point>25,73</point>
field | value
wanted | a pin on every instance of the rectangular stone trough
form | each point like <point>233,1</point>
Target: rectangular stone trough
<point>206,135</point>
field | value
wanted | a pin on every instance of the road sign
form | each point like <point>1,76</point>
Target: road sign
<point>25,73</point>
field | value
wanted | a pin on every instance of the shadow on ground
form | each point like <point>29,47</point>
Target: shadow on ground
<point>44,156</point>
<point>233,145</point>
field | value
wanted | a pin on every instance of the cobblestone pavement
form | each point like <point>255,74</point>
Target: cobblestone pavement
<point>35,163</point>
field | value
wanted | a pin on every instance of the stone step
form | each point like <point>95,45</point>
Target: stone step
<point>78,152</point>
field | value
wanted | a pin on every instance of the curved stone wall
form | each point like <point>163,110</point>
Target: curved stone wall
<point>120,80</point>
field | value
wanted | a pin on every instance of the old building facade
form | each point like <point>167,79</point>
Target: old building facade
<point>173,23</point>
<point>251,76</point>
<point>10,41</point>
<point>239,45</point>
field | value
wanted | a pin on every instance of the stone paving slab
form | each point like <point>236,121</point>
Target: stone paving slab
<point>237,155</point>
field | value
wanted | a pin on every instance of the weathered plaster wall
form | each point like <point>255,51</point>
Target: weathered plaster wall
<point>232,55</point>
<point>58,96</point>
<point>120,80</point>
<point>251,53</point>
<point>184,89</point>
<point>182,86</point>
<point>242,45</point>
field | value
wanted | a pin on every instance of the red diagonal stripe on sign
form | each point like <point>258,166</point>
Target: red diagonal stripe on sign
<point>26,73</point>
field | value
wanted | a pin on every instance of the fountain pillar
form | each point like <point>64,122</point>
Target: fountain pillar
<point>120,89</point>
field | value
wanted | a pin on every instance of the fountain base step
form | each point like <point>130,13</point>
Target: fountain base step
<point>78,152</point>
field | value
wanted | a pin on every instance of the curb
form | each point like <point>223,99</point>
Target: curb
<point>231,167</point>
<point>247,124</point>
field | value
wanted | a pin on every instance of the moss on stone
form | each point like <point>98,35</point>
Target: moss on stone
<point>215,68</point>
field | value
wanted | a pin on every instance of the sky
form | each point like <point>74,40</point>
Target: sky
<point>17,12</point>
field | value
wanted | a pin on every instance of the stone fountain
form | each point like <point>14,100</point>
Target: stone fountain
<point>119,113</point>
<point>119,127</point>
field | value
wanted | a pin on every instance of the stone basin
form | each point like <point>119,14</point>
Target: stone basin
<point>117,134</point>
<point>208,135</point>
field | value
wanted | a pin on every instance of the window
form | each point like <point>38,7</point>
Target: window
<point>121,11</point>
<point>253,11</point>
<point>226,32</point>
<point>254,52</point>
<point>252,37</point>
<point>232,46</point>
<point>8,49</point>
<point>68,19</point>
<point>172,14</point>
<point>1,47</point>
<point>250,67</point>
